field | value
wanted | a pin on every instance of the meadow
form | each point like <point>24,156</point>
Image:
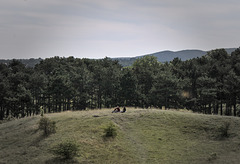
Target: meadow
<point>143,136</point>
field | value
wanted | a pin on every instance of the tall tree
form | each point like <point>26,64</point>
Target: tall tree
<point>234,79</point>
<point>145,69</point>
<point>165,89</point>
<point>218,69</point>
<point>3,91</point>
<point>128,87</point>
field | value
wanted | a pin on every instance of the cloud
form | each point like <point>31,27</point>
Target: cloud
<point>33,28</point>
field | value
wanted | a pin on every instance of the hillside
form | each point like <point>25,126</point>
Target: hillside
<point>167,56</point>
<point>144,136</point>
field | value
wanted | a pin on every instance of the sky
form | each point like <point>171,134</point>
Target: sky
<point>115,28</point>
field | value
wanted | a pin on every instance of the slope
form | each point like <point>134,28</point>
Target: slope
<point>144,136</point>
<point>167,56</point>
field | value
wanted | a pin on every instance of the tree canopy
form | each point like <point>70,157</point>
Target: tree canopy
<point>209,84</point>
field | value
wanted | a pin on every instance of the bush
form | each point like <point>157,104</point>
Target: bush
<point>110,131</point>
<point>213,156</point>
<point>224,130</point>
<point>47,126</point>
<point>66,150</point>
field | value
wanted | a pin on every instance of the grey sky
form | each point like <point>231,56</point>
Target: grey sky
<point>115,28</point>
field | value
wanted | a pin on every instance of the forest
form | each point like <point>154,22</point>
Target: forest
<point>209,84</point>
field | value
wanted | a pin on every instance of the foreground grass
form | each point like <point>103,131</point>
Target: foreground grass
<point>143,136</point>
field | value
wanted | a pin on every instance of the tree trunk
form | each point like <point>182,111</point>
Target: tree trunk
<point>221,107</point>
<point>234,106</point>
<point>49,104</point>
<point>209,108</point>
<point>1,113</point>
<point>68,104</point>
<point>217,108</point>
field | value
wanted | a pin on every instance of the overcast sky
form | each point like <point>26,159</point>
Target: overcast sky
<point>115,28</point>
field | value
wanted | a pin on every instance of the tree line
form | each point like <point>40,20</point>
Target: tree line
<point>209,84</point>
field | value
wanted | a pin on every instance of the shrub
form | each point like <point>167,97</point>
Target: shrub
<point>224,130</point>
<point>47,126</point>
<point>110,131</point>
<point>66,150</point>
<point>213,156</point>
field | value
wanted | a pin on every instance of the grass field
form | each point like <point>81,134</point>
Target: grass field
<point>143,136</point>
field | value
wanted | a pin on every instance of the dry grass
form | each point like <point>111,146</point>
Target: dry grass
<point>143,136</point>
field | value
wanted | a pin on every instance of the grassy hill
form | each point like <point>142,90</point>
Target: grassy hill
<point>143,136</point>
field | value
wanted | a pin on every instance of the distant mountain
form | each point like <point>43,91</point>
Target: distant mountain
<point>230,50</point>
<point>162,56</point>
<point>167,56</point>
<point>28,62</point>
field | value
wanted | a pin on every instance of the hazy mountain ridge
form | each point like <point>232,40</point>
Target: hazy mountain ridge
<point>167,56</point>
<point>162,56</point>
<point>28,62</point>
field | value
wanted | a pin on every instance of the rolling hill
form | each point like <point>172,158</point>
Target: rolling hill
<point>167,56</point>
<point>143,136</point>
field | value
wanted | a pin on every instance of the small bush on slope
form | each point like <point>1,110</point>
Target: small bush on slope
<point>47,126</point>
<point>110,131</point>
<point>224,130</point>
<point>67,149</point>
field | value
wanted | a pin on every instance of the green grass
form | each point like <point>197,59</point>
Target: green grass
<point>143,136</point>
